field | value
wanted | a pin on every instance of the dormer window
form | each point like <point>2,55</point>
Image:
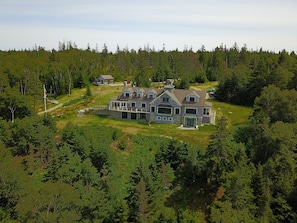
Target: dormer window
<point>139,92</point>
<point>151,95</point>
<point>127,94</point>
<point>192,98</point>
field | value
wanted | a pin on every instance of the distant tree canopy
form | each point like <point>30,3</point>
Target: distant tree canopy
<point>96,173</point>
<point>241,73</point>
<point>243,82</point>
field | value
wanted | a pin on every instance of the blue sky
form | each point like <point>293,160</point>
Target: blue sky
<point>133,24</point>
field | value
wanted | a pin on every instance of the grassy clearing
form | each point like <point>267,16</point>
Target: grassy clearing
<point>194,137</point>
<point>236,114</point>
<point>204,86</point>
<point>101,94</point>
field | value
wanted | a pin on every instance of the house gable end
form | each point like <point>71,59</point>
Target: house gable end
<point>166,97</point>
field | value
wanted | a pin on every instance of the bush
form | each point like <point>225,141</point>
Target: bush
<point>122,145</point>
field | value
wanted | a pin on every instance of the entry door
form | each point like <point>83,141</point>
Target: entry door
<point>190,122</point>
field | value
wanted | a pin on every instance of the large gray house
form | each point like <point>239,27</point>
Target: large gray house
<point>188,108</point>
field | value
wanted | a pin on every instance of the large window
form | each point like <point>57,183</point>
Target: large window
<point>191,111</point>
<point>162,110</point>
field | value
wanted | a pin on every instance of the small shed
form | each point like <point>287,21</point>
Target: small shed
<point>105,79</point>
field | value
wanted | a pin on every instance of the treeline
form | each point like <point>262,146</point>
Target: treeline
<point>98,174</point>
<point>241,73</point>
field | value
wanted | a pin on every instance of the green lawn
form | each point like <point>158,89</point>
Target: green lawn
<point>101,94</point>
<point>204,86</point>
<point>236,114</point>
<point>195,137</point>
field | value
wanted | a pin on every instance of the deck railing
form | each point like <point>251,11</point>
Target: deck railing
<point>137,110</point>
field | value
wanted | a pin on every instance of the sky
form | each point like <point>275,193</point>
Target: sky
<point>157,24</point>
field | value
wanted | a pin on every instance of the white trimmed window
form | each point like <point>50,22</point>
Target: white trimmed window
<point>191,111</point>
<point>165,99</point>
<point>192,98</point>
<point>150,95</point>
<point>164,111</point>
<point>206,111</point>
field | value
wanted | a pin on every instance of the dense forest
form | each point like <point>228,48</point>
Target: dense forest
<point>93,173</point>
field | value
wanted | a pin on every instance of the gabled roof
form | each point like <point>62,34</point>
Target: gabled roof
<point>140,90</point>
<point>134,90</point>
<point>193,93</point>
<point>178,95</point>
<point>106,77</point>
<point>171,95</point>
<point>181,95</point>
<point>153,90</point>
<point>128,89</point>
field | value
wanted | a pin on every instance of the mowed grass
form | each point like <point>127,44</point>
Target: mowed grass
<point>204,86</point>
<point>194,137</point>
<point>237,115</point>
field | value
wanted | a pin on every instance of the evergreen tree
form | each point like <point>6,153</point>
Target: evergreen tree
<point>220,154</point>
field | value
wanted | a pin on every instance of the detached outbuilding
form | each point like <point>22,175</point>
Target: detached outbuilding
<point>105,79</point>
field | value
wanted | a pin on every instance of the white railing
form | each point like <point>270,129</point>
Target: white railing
<point>137,110</point>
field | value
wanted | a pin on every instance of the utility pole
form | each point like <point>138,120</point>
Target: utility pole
<point>44,98</point>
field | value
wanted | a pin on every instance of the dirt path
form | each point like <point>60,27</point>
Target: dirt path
<point>51,109</point>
